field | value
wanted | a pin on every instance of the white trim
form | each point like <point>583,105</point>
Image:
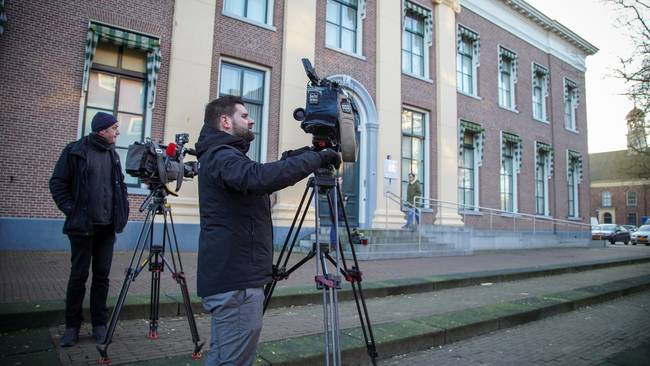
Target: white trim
<point>265,106</point>
<point>268,24</point>
<point>359,33</point>
<point>475,65</point>
<point>544,92</point>
<point>426,62</point>
<point>512,21</point>
<point>547,175</point>
<point>573,105</point>
<point>427,157</point>
<point>513,77</point>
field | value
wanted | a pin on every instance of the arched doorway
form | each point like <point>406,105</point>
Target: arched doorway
<point>359,178</point>
<point>607,218</point>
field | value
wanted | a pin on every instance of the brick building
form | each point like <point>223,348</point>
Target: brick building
<point>482,100</point>
<point>619,193</point>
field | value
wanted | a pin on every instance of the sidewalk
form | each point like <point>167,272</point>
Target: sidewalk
<point>400,321</point>
<point>28,276</point>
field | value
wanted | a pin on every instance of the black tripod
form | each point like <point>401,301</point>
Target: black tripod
<point>321,184</point>
<point>156,261</point>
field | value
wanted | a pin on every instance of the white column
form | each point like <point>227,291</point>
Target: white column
<point>446,108</point>
<point>188,90</point>
<point>389,109</point>
<point>299,41</point>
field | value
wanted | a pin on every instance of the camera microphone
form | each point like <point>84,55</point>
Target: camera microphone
<point>171,150</point>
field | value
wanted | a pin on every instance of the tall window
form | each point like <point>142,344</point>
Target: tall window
<point>413,127</point>
<point>631,199</point>
<point>259,11</point>
<point>540,91</point>
<point>249,84</point>
<point>341,25</point>
<point>570,104</point>
<point>540,183</point>
<point>467,60</point>
<point>466,172</point>
<point>413,44</point>
<point>116,85</point>
<point>574,177</point>
<point>607,199</point>
<point>507,77</point>
<point>631,218</point>
<point>507,177</point>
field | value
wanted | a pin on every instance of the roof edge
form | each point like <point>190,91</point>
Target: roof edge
<point>552,25</point>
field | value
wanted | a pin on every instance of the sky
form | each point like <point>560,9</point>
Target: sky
<point>594,21</point>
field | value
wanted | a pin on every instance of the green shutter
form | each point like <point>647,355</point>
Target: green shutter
<point>425,14</point>
<point>128,39</point>
<point>473,37</point>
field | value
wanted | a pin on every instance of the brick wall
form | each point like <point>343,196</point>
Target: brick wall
<point>619,202</point>
<point>241,41</point>
<point>41,67</point>
<point>486,111</point>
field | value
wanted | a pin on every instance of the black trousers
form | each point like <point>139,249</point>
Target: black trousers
<point>98,250</point>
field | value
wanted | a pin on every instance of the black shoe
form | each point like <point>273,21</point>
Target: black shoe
<point>99,332</point>
<point>70,337</point>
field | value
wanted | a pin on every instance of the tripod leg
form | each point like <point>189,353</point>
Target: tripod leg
<point>180,279</point>
<point>154,304</point>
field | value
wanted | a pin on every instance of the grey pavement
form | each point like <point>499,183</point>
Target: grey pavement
<point>612,333</point>
<point>131,345</point>
<point>27,276</point>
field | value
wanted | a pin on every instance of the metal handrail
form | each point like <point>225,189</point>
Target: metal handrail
<point>520,215</point>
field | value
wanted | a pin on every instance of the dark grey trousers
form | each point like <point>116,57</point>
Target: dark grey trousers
<point>236,326</point>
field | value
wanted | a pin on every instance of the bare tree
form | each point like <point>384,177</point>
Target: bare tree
<point>634,17</point>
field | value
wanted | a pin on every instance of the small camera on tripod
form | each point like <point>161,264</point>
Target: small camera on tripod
<point>157,165</point>
<point>329,115</point>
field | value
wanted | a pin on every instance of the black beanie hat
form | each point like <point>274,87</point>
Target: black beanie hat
<point>102,121</point>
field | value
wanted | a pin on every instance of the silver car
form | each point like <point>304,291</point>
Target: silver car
<point>641,236</point>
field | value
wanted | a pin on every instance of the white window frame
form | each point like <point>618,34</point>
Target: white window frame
<point>544,92</point>
<point>515,173</point>
<point>425,121</point>
<point>546,177</point>
<point>576,188</point>
<point>571,102</point>
<point>513,79</point>
<point>475,182</point>
<point>266,105</point>
<point>268,24</point>
<point>628,198</point>
<point>426,44</point>
<point>475,59</point>
<point>361,15</point>
<point>606,200</point>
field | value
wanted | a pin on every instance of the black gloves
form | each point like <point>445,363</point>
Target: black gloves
<point>330,157</point>
<point>290,153</point>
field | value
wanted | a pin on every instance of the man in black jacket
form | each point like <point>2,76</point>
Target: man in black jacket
<point>88,187</point>
<point>236,241</point>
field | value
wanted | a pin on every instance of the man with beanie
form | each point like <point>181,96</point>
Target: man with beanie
<point>88,187</point>
<point>236,240</point>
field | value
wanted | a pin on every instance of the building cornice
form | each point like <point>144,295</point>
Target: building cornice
<point>618,183</point>
<point>551,25</point>
<point>453,4</point>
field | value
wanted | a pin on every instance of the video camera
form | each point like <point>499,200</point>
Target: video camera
<point>157,164</point>
<point>329,115</point>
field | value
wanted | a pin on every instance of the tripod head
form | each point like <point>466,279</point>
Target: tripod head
<point>157,197</point>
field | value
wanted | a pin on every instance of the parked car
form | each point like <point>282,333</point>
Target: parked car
<point>630,228</point>
<point>641,236</point>
<point>611,233</point>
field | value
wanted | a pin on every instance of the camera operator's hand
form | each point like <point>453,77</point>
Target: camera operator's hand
<point>290,153</point>
<point>330,157</point>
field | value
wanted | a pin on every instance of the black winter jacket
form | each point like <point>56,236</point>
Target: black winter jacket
<point>69,188</point>
<point>236,239</point>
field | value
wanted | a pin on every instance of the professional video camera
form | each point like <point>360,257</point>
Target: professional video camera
<point>329,115</point>
<point>157,164</point>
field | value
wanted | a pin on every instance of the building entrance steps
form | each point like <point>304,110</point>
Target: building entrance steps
<point>402,323</point>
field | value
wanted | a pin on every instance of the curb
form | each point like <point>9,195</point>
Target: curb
<point>47,313</point>
<point>421,333</point>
